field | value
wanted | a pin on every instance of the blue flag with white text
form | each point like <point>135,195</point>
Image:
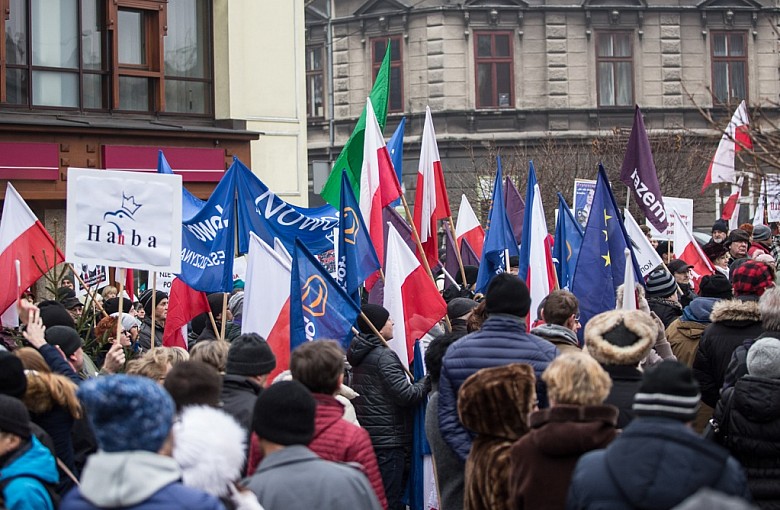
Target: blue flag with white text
<point>568,240</point>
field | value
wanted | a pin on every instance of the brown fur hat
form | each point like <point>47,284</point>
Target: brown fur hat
<point>620,337</point>
<point>497,401</point>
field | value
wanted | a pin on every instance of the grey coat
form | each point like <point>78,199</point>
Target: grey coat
<point>450,474</point>
<point>294,478</point>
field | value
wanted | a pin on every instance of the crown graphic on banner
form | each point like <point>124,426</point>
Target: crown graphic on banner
<point>129,205</point>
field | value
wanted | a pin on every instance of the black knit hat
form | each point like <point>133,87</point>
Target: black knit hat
<point>660,283</point>
<point>720,226</point>
<point>284,414</point>
<point>54,314</point>
<point>668,390</point>
<point>471,275</point>
<point>111,306</point>
<point>66,338</point>
<point>715,286</point>
<point>13,382</point>
<point>146,300</point>
<point>507,293</point>
<point>376,314</point>
<point>14,417</point>
<point>250,355</point>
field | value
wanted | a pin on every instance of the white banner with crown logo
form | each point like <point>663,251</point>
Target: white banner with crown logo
<point>124,219</point>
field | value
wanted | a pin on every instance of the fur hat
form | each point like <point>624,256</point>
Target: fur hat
<point>250,355</point>
<point>660,283</point>
<point>65,338</point>
<point>284,414</point>
<point>127,412</point>
<point>715,286</point>
<point>497,401</point>
<point>762,358</point>
<point>737,235</point>
<point>714,250</point>
<point>761,233</point>
<point>508,294</point>
<point>376,314</point>
<point>14,417</point>
<point>620,337</point>
<point>12,379</point>
<point>720,226</point>
<point>146,300</point>
<point>668,390</point>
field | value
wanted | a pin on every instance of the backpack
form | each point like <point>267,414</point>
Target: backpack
<point>50,488</point>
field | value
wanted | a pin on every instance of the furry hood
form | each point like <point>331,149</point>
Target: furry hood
<point>735,310</point>
<point>209,446</point>
<point>607,353</point>
<point>497,401</point>
<point>640,291</point>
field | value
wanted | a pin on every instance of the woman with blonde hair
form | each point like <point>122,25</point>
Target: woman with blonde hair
<point>153,364</point>
<point>577,421</point>
<point>212,352</point>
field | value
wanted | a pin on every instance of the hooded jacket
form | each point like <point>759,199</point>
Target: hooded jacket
<point>665,309</point>
<point>561,337</point>
<point>733,322</point>
<point>384,407</point>
<point>655,464</point>
<point>685,333</point>
<point>544,459</point>
<point>138,479</point>
<point>27,469</point>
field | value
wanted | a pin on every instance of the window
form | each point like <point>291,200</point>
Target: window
<point>378,48</point>
<point>615,67</point>
<point>494,67</point>
<point>66,54</point>
<point>729,66</point>
<point>315,79</point>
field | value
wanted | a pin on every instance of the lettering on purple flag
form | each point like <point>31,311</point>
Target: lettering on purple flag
<point>515,208</point>
<point>639,174</point>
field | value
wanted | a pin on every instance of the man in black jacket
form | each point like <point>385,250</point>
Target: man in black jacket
<point>387,398</point>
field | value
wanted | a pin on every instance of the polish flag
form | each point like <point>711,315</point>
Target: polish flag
<point>22,238</point>
<point>431,203</point>
<point>378,184</point>
<point>267,300</point>
<point>731,207</point>
<point>687,249</point>
<point>129,285</point>
<point>629,282</point>
<point>412,299</point>
<point>184,304</point>
<point>469,228</point>
<point>737,132</point>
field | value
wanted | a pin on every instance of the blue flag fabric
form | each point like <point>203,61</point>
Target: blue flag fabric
<point>415,490</point>
<point>261,211</point>
<point>498,237</point>
<point>601,263</point>
<point>395,146</point>
<point>320,308</point>
<point>190,204</point>
<point>568,241</point>
<point>357,256</point>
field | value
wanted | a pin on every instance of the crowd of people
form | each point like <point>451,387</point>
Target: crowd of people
<point>673,405</point>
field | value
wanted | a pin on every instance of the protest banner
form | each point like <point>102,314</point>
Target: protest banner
<point>163,281</point>
<point>93,276</point>
<point>583,198</point>
<point>684,207</point>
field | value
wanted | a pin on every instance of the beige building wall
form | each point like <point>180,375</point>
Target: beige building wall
<point>259,77</point>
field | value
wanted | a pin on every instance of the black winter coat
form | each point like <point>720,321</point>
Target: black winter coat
<point>625,383</point>
<point>667,311</point>
<point>239,395</point>
<point>753,434</point>
<point>384,407</point>
<point>733,322</point>
<point>738,364</point>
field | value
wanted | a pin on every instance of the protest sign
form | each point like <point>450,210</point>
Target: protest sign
<point>583,198</point>
<point>684,207</point>
<point>94,277</point>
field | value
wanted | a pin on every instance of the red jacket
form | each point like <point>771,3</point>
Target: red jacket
<point>337,440</point>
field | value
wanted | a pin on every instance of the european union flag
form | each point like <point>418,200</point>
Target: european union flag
<point>568,241</point>
<point>395,146</point>
<point>357,256</point>
<point>320,308</point>
<point>498,237</point>
<point>601,263</point>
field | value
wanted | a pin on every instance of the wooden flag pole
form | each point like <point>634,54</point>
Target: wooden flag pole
<point>90,292</point>
<point>457,253</point>
<point>153,336</point>
<point>121,282</point>
<point>224,316</point>
<point>381,338</point>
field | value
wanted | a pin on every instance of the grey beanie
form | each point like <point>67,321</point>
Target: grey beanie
<point>761,233</point>
<point>763,358</point>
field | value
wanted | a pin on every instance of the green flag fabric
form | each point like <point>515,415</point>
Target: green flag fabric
<point>351,157</point>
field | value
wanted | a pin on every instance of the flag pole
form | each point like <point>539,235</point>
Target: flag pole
<point>379,335</point>
<point>450,278</point>
<point>224,316</point>
<point>457,253</point>
<point>153,336</point>
<point>88,289</point>
<point>120,294</point>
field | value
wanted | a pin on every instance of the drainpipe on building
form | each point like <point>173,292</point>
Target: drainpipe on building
<point>331,82</point>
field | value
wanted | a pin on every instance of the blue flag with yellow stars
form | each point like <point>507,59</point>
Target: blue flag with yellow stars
<point>601,263</point>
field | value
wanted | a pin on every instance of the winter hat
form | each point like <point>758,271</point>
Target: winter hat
<point>751,278</point>
<point>459,307</point>
<point>620,337</point>
<point>127,412</point>
<point>54,314</point>
<point>663,248</point>
<point>668,390</point>
<point>215,303</point>
<point>146,300</point>
<point>111,306</point>
<point>284,414</point>
<point>377,315</point>
<point>250,355</point>
<point>715,286</point>
<point>720,226</point>
<point>238,284</point>
<point>660,283</point>
<point>761,233</point>
<point>762,358</point>
<point>129,322</point>
<point>236,304</point>
<point>471,275</point>
<point>714,250</point>
<point>507,293</point>
<point>66,338</point>
<point>14,417</point>
<point>737,235</point>
<point>13,382</point>
<point>678,266</point>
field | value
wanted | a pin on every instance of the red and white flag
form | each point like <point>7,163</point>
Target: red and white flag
<point>687,249</point>
<point>22,238</point>
<point>431,203</point>
<point>629,284</point>
<point>378,184</point>
<point>129,284</point>
<point>184,304</point>
<point>267,300</point>
<point>736,135</point>
<point>412,299</point>
<point>731,207</point>
<point>469,228</point>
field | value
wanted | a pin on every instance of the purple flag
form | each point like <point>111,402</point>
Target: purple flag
<point>639,174</point>
<point>451,258</point>
<point>377,294</point>
<point>515,208</point>
<point>468,255</point>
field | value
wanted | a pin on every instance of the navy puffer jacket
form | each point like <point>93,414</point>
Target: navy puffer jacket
<point>503,339</point>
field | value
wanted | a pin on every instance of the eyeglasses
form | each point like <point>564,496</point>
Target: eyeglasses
<point>577,317</point>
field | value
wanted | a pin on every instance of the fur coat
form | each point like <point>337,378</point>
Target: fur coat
<point>495,404</point>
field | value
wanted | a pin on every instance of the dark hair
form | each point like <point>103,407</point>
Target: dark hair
<point>560,305</point>
<point>434,354</point>
<point>317,365</point>
<point>193,383</point>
